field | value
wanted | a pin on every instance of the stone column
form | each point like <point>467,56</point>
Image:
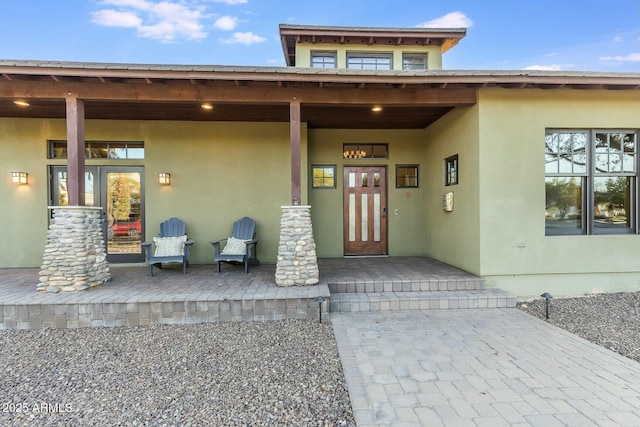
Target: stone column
<point>297,263</point>
<point>75,257</point>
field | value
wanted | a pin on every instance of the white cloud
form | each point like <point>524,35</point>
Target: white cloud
<point>165,20</point>
<point>450,20</point>
<point>226,23</point>
<point>632,57</point>
<point>114,18</point>
<point>232,2</point>
<point>553,67</point>
<point>244,38</point>
<point>618,39</point>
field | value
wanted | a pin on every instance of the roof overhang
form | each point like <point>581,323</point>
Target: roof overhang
<point>290,35</point>
<point>329,98</point>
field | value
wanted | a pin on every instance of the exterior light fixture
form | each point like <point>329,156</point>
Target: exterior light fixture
<point>547,296</point>
<point>320,300</point>
<point>376,108</point>
<point>21,103</point>
<point>164,178</point>
<point>206,106</point>
<point>19,178</point>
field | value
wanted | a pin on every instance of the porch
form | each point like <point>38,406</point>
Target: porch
<point>132,297</point>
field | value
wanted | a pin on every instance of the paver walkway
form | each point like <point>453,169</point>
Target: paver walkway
<point>489,367</point>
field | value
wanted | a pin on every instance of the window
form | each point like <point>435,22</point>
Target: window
<point>369,61</point>
<point>100,150</point>
<point>414,61</point>
<point>591,179</point>
<point>323,59</point>
<point>451,170</point>
<point>364,151</point>
<point>323,176</point>
<point>406,176</point>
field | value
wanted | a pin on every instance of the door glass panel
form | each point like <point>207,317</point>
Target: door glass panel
<point>124,224</point>
<point>376,217</point>
<point>352,179</point>
<point>352,217</point>
<point>365,219</point>
<point>365,180</point>
<point>376,179</point>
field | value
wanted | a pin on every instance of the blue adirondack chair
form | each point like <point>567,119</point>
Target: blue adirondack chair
<point>171,247</point>
<point>239,246</point>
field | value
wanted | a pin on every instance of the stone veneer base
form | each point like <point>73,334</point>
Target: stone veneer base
<point>297,263</point>
<point>75,256</point>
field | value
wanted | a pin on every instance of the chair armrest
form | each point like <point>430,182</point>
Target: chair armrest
<point>216,246</point>
<point>218,241</point>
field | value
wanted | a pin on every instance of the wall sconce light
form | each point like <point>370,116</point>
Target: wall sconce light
<point>164,178</point>
<point>19,178</point>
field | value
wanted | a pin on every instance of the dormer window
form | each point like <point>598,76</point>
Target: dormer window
<point>323,59</point>
<point>369,61</point>
<point>414,61</point>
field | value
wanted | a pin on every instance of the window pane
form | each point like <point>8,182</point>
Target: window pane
<point>566,152</point>
<point>563,203</point>
<point>611,199</point>
<point>414,62</point>
<point>323,59</point>
<point>117,150</point>
<point>323,176</point>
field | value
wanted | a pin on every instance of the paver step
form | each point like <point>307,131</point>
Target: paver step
<point>412,285</point>
<point>421,300</point>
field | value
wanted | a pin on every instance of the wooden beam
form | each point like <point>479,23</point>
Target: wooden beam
<point>294,124</point>
<point>75,150</point>
<point>185,91</point>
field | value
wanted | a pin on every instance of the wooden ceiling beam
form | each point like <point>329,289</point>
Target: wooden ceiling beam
<point>185,91</point>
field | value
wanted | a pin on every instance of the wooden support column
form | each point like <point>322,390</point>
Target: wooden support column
<point>294,122</point>
<point>75,150</point>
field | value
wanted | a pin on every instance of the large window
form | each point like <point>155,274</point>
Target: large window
<point>591,181</point>
<point>369,61</point>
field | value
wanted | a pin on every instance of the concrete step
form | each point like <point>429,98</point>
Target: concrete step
<point>421,300</point>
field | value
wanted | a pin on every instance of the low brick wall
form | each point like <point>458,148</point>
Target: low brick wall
<point>75,257</point>
<point>297,263</point>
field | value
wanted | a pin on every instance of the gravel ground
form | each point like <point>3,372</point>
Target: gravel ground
<point>609,320</point>
<point>221,374</point>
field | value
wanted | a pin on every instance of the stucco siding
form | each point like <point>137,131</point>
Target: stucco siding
<point>220,172</point>
<point>453,237</point>
<point>515,253</point>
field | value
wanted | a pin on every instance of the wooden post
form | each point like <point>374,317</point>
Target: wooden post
<point>75,150</point>
<point>294,122</point>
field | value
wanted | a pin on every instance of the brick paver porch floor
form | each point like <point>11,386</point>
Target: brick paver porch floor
<point>133,297</point>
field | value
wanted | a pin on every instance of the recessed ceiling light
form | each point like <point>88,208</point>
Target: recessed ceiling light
<point>376,108</point>
<point>21,103</point>
<point>206,106</point>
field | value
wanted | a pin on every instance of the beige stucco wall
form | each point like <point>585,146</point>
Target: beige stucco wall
<point>303,53</point>
<point>219,172</point>
<point>515,253</point>
<point>406,230</point>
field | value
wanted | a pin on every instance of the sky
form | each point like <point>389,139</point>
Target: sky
<point>560,35</point>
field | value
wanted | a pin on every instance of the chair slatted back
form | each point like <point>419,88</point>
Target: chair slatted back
<point>244,228</point>
<point>173,227</point>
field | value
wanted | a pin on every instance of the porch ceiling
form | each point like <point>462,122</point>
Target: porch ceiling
<point>316,116</point>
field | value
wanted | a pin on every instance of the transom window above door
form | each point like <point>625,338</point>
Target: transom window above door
<point>101,150</point>
<point>365,151</point>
